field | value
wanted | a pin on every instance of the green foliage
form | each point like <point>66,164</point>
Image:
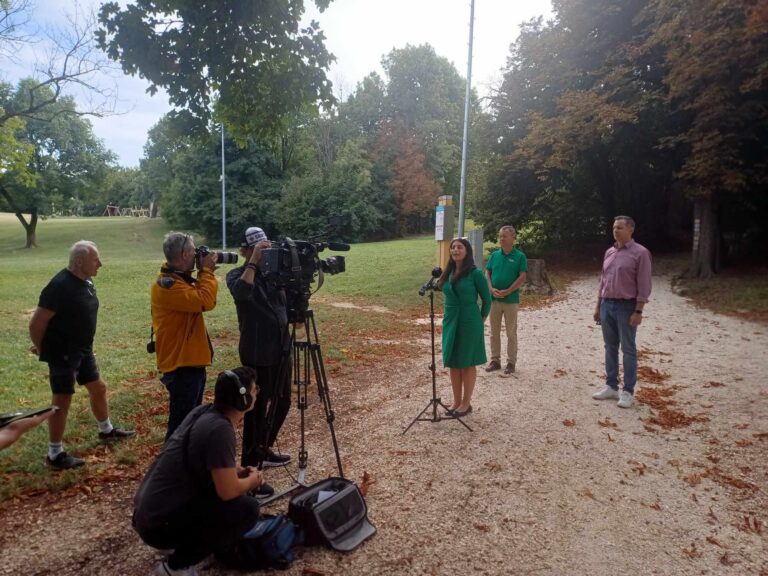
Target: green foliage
<point>15,154</point>
<point>630,107</point>
<point>263,69</point>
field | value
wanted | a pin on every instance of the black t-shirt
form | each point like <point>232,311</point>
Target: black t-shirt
<point>72,328</point>
<point>169,484</point>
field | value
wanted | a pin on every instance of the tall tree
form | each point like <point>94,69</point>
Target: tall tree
<point>69,163</point>
<point>70,62</point>
<point>425,96</point>
<point>717,82</point>
<point>251,60</point>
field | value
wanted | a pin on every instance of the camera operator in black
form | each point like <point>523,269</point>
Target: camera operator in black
<point>265,346</point>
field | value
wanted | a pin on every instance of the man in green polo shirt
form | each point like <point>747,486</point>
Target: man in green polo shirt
<point>507,269</point>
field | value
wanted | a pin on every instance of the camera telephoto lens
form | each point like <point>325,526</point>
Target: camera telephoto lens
<point>226,258</point>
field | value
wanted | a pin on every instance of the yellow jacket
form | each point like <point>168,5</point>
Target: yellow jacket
<point>178,303</point>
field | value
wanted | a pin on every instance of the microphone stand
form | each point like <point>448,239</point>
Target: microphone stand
<point>435,401</point>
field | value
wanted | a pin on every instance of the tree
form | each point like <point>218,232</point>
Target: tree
<point>248,60</point>
<point>68,162</point>
<point>70,63</point>
<point>425,96</point>
<point>717,82</point>
<point>578,121</point>
<point>173,134</point>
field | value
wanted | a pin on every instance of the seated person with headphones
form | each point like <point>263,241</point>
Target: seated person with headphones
<point>192,500</point>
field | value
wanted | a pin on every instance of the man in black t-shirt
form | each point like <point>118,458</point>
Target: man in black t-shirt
<point>193,499</point>
<point>62,330</point>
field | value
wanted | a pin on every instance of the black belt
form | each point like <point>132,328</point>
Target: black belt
<point>619,299</point>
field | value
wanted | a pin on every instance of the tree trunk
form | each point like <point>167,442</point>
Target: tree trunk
<point>29,227</point>
<point>538,279</point>
<point>705,257</point>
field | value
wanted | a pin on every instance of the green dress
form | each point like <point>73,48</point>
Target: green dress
<point>463,336</point>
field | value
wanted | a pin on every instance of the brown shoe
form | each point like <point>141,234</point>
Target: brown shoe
<point>493,365</point>
<point>510,368</point>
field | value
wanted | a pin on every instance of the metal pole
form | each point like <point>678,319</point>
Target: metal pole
<point>223,195</point>
<point>465,140</point>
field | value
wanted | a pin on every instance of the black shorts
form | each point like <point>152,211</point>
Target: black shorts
<point>81,367</point>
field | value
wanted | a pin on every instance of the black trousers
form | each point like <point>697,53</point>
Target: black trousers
<point>200,528</point>
<point>258,436</point>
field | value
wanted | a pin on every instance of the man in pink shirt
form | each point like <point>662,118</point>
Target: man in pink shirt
<point>625,285</point>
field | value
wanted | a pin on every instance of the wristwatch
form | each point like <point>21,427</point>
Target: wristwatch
<point>639,312</point>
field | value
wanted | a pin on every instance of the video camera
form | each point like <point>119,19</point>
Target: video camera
<point>293,265</point>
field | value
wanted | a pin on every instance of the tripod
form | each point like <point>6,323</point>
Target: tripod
<point>304,352</point>
<point>435,401</point>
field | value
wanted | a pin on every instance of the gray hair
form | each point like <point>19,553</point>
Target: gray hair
<point>508,228</point>
<point>628,219</point>
<point>173,245</point>
<point>80,250</point>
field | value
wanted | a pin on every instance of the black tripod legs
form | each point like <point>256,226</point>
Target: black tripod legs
<point>433,404</point>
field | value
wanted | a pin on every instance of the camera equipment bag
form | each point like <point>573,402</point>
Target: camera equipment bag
<point>269,544</point>
<point>332,512</point>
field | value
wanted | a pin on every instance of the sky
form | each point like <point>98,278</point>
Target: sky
<point>358,32</point>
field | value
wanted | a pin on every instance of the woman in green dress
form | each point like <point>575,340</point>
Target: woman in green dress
<point>463,323</point>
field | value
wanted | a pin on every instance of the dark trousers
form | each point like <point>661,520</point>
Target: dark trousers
<point>185,392</point>
<point>200,528</point>
<point>258,435</point>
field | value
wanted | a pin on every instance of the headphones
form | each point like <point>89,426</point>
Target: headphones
<point>241,400</point>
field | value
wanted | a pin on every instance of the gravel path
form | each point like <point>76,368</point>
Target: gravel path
<point>550,482</point>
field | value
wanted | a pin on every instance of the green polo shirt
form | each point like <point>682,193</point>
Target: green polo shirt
<point>505,269</point>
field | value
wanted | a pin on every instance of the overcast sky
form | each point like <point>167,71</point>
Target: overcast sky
<point>358,32</point>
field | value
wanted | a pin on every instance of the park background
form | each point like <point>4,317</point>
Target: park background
<point>653,108</point>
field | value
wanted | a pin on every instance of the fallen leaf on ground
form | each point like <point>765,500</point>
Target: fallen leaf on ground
<point>366,483</point>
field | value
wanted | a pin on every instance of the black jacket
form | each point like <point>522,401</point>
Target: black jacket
<point>262,318</point>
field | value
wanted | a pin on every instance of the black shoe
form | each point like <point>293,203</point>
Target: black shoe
<point>271,460</point>
<point>263,491</point>
<point>460,414</point>
<point>449,413</point>
<point>65,461</point>
<point>116,434</point>
<point>510,368</point>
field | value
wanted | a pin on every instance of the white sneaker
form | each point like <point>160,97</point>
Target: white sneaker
<point>625,400</point>
<point>162,569</point>
<point>607,393</point>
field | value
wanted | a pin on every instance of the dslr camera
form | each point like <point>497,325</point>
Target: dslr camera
<point>221,257</point>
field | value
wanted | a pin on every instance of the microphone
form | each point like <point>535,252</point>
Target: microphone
<point>338,246</point>
<point>430,284</point>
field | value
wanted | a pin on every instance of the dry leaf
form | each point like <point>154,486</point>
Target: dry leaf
<point>712,540</point>
<point>366,483</point>
<point>569,422</point>
<point>692,552</point>
<point>712,384</point>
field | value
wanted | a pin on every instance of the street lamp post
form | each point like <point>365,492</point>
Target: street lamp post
<point>465,140</point>
<point>223,195</point>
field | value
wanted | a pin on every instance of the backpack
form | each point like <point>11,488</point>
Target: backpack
<point>269,544</point>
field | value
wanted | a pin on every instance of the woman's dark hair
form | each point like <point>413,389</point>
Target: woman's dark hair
<point>466,266</point>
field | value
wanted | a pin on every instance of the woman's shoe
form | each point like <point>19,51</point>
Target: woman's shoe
<point>450,412</point>
<point>460,413</point>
